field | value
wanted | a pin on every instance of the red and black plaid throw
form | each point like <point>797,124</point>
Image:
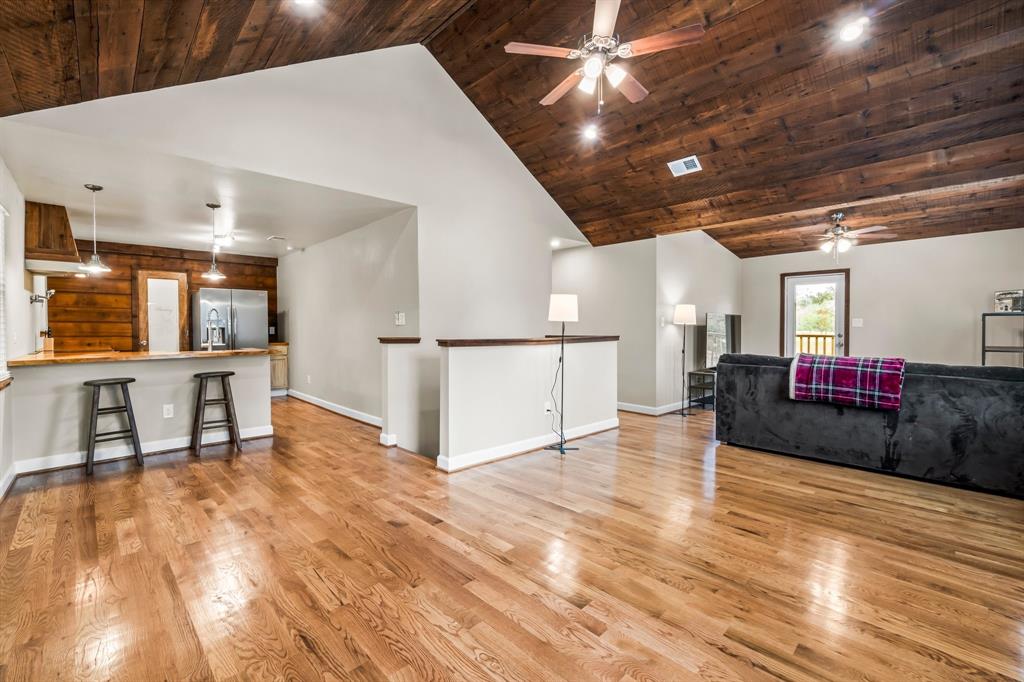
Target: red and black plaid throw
<point>862,382</point>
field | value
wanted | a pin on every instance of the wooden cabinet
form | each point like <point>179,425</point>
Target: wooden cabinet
<point>279,365</point>
<point>48,233</point>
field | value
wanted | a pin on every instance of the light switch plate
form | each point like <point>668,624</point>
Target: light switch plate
<point>857,321</point>
<point>168,411</point>
<point>399,319</point>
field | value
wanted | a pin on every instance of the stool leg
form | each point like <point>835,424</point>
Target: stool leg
<point>131,424</point>
<point>197,425</point>
<point>225,384</point>
<point>93,417</point>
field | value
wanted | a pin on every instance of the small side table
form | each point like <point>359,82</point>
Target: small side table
<point>701,384</point>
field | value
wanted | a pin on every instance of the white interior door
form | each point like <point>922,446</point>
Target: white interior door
<point>163,314</point>
<point>815,314</point>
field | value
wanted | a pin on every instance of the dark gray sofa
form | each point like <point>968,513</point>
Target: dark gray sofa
<point>963,426</point>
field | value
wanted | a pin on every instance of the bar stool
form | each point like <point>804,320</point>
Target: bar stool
<point>200,424</point>
<point>131,432</point>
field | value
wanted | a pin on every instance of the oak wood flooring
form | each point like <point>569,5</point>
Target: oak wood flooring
<point>652,553</point>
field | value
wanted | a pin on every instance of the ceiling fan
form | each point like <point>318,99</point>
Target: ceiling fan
<point>838,239</point>
<point>599,50</point>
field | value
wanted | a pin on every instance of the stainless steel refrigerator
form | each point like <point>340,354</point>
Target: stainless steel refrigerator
<point>233,318</point>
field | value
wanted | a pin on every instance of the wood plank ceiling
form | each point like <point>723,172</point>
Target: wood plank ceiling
<point>58,52</point>
<point>919,125</point>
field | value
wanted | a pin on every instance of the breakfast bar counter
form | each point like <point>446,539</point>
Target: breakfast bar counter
<point>74,358</point>
<point>51,406</point>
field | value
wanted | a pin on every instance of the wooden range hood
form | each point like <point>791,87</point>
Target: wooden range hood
<point>49,245</point>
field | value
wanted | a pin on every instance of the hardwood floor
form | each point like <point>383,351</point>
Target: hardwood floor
<point>650,554</point>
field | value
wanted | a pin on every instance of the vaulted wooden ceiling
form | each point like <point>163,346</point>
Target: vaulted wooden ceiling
<point>57,52</point>
<point>919,125</point>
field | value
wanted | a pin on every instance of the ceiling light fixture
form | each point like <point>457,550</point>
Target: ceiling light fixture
<point>594,65</point>
<point>590,132</point>
<point>615,74</point>
<point>852,30</point>
<point>94,266</point>
<point>588,85</point>
<point>213,273</point>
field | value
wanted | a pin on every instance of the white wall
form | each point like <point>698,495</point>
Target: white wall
<point>919,299</point>
<point>692,268</point>
<point>20,339</point>
<point>390,124</point>
<point>616,289</point>
<point>631,289</point>
<point>339,296</point>
<point>493,398</point>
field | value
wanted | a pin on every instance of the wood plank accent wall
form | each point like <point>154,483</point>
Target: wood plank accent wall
<point>98,312</point>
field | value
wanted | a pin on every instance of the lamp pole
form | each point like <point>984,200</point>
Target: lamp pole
<point>682,402</point>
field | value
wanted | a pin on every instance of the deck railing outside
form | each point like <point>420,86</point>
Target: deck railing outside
<point>816,343</point>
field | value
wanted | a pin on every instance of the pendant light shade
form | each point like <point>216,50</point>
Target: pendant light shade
<point>94,266</point>
<point>213,274</point>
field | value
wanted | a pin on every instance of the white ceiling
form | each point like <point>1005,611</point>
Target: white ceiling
<point>160,200</point>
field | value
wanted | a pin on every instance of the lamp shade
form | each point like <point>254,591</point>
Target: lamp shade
<point>563,308</point>
<point>686,313</point>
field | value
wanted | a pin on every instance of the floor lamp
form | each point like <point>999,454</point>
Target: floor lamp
<point>563,308</point>
<point>685,313</point>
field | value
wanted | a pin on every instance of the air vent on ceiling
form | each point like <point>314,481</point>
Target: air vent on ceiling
<point>684,166</point>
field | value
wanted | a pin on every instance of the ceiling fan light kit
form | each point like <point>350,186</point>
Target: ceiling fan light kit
<point>599,50</point>
<point>839,239</point>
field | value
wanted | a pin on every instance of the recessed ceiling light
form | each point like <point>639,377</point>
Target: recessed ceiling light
<point>304,3</point>
<point>590,132</point>
<point>852,30</point>
<point>289,247</point>
<point>555,243</point>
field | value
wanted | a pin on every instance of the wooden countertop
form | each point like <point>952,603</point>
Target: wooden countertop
<point>547,340</point>
<point>51,358</point>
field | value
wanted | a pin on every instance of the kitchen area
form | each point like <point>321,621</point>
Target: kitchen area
<point>158,316</point>
<point>154,277</point>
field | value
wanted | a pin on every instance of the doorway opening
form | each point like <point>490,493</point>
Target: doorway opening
<point>814,312</point>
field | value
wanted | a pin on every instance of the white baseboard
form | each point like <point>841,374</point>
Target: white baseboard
<point>65,459</point>
<point>278,392</point>
<point>468,459</point>
<point>653,411</point>
<point>6,479</point>
<point>389,439</point>
<point>338,409</point>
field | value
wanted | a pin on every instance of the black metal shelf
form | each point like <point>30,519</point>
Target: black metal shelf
<point>985,348</point>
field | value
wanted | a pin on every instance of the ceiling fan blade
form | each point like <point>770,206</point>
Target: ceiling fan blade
<point>565,86</point>
<point>538,50</point>
<point>631,88</point>
<point>866,230</point>
<point>605,14</point>
<point>677,37</point>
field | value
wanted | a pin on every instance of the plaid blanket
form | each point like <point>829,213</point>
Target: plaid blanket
<point>862,382</point>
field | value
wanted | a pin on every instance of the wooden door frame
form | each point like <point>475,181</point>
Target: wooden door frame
<point>845,272</point>
<point>140,298</point>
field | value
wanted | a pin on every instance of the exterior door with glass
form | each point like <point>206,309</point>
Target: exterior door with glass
<point>814,313</point>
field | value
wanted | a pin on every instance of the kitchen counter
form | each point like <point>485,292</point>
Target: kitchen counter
<point>50,406</point>
<point>51,358</point>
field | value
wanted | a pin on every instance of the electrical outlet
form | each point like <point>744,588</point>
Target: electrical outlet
<point>309,379</point>
<point>547,407</point>
<point>858,322</point>
<point>399,319</point>
<point>168,411</point>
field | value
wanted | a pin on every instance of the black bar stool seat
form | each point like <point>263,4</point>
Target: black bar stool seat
<point>131,432</point>
<point>200,424</point>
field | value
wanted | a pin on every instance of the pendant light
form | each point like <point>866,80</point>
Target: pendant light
<point>213,273</point>
<point>94,265</point>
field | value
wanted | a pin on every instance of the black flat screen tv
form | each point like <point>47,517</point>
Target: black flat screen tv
<point>722,336</point>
